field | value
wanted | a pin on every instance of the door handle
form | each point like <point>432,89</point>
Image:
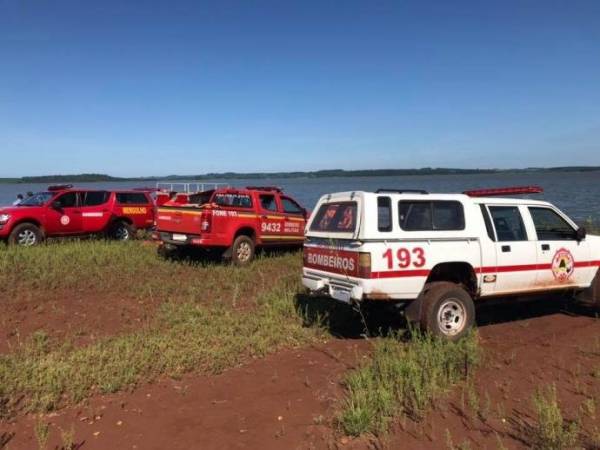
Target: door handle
<point>263,217</point>
<point>506,248</point>
<point>545,246</point>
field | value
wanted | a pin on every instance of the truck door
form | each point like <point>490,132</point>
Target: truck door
<point>63,216</point>
<point>516,258</point>
<point>94,211</point>
<point>562,259</point>
<point>271,220</point>
<point>294,220</point>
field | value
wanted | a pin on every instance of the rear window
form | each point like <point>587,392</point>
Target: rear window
<point>235,200</point>
<point>131,198</point>
<point>335,217</point>
<point>431,216</point>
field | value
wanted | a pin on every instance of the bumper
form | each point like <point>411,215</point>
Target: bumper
<point>4,231</point>
<point>341,290</point>
<point>178,238</point>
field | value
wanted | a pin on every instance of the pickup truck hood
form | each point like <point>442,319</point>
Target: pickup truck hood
<point>15,210</point>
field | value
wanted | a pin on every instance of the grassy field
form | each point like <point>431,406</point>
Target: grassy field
<point>402,379</point>
<point>208,317</point>
<point>197,326</point>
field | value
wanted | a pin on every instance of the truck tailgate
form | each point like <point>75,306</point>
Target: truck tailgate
<point>179,220</point>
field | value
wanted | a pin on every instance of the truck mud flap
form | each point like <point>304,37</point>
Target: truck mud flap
<point>591,295</point>
<point>412,311</point>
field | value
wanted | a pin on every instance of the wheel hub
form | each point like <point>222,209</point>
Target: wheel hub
<point>26,238</point>
<point>452,317</point>
<point>243,252</point>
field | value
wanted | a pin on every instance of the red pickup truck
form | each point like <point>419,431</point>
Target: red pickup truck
<point>65,211</point>
<point>234,222</point>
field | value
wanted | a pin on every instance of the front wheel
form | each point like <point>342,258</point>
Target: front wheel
<point>447,311</point>
<point>242,251</point>
<point>122,231</point>
<point>26,235</point>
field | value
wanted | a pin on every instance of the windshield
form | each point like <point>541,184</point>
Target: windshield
<point>37,199</point>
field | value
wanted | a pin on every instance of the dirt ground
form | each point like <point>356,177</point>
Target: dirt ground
<point>289,400</point>
<point>80,317</point>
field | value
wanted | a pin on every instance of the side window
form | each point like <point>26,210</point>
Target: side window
<point>549,226</point>
<point>508,223</point>
<point>429,216</point>
<point>131,198</point>
<point>291,207</point>
<point>267,202</point>
<point>448,216</point>
<point>384,214</point>
<point>68,200</point>
<point>94,198</point>
<point>488,222</point>
<point>415,216</point>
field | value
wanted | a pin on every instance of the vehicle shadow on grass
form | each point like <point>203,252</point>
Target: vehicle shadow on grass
<point>373,319</point>
<point>197,256</point>
<point>380,319</point>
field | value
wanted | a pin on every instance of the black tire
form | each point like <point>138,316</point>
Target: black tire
<point>122,231</point>
<point>591,295</point>
<point>26,235</point>
<point>242,251</point>
<point>447,310</point>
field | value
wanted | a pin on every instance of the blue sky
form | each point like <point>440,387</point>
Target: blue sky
<point>156,88</point>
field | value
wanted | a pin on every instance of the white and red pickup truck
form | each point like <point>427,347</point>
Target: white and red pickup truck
<point>434,254</point>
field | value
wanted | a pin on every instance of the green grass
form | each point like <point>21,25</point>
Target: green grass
<point>193,327</point>
<point>184,337</point>
<point>403,379</point>
<point>551,431</point>
<point>130,270</point>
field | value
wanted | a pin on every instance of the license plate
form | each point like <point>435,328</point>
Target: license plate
<point>340,295</point>
<point>179,237</point>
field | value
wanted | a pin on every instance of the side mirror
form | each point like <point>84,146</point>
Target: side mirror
<point>56,205</point>
<point>580,234</point>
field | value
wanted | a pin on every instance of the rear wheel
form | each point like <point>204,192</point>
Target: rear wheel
<point>242,250</point>
<point>122,231</point>
<point>447,310</point>
<point>26,235</point>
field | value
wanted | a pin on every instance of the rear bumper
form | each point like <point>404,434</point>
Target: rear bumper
<point>338,289</point>
<point>180,239</point>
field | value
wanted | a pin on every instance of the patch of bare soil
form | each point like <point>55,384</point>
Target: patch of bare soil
<point>288,400</point>
<point>81,318</point>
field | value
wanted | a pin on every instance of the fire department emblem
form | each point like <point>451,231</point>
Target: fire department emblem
<point>563,265</point>
<point>65,220</point>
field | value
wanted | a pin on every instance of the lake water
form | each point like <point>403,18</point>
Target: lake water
<point>576,193</point>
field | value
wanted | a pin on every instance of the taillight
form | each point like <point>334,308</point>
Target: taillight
<point>364,265</point>
<point>206,222</point>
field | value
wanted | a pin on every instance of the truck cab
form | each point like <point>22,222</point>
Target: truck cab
<point>434,254</point>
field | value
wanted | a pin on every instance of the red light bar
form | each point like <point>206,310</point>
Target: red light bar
<point>516,190</point>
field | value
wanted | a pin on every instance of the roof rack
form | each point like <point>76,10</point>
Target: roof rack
<point>188,187</point>
<point>513,190</point>
<point>264,188</point>
<point>60,187</point>
<point>402,191</point>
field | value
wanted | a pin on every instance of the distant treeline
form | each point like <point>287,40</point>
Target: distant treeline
<point>95,177</point>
